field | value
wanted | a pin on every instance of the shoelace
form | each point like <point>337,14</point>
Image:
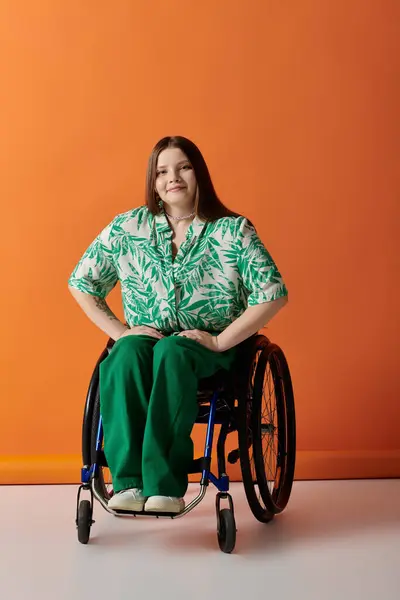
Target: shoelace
<point>134,491</point>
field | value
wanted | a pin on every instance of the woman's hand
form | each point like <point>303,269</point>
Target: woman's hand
<point>204,338</point>
<point>142,330</point>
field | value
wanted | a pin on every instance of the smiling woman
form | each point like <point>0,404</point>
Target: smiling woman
<point>179,177</point>
<point>176,185</point>
<point>177,161</point>
<point>175,178</point>
<point>196,280</point>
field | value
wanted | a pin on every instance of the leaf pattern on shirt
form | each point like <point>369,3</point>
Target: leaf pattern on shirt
<point>221,268</point>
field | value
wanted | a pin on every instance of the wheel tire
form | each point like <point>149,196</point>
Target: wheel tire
<point>275,499</point>
<point>84,521</point>
<point>245,412</point>
<point>226,531</point>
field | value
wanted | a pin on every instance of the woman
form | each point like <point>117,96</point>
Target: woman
<point>196,281</point>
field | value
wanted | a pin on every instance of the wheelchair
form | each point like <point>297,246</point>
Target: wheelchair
<point>255,399</point>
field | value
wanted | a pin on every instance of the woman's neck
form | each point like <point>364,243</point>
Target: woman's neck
<point>178,213</point>
<point>180,226</point>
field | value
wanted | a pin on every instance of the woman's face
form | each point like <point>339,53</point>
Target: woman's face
<point>175,182</point>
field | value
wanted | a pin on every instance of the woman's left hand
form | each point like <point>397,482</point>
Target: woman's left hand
<point>204,338</point>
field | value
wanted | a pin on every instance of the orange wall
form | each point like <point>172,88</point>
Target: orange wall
<point>295,106</point>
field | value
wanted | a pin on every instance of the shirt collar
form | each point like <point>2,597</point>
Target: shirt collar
<point>162,224</point>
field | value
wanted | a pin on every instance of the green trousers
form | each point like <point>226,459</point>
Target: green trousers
<point>148,403</point>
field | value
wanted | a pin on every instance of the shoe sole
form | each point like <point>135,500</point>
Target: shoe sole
<point>134,507</point>
<point>161,509</point>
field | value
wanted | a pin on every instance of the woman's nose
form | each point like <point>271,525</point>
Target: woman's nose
<point>174,176</point>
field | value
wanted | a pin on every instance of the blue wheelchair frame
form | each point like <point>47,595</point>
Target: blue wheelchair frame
<point>90,473</point>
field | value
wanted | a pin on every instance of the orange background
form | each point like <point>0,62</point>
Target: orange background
<point>295,107</point>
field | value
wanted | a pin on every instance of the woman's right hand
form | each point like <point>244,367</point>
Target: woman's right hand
<point>142,330</point>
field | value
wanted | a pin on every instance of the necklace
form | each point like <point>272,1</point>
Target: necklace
<point>180,218</point>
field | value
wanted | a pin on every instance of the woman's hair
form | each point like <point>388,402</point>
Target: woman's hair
<point>209,206</point>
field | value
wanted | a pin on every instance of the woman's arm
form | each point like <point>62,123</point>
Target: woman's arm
<point>253,319</point>
<point>99,313</point>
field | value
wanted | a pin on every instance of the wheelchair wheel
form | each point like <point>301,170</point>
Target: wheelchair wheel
<point>226,530</point>
<point>267,434</point>
<point>84,521</point>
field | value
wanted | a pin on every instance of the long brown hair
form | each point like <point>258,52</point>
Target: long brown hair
<point>209,206</point>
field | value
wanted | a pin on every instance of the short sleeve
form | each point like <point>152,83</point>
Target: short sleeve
<point>95,273</point>
<point>259,273</point>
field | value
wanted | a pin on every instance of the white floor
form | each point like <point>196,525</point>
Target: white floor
<point>336,540</point>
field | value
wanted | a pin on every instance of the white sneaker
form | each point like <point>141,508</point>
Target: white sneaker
<point>131,499</point>
<point>165,504</point>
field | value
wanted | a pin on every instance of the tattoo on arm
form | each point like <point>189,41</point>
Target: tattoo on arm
<point>102,304</point>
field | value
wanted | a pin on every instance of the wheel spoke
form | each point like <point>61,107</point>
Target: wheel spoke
<point>269,429</point>
<point>270,447</point>
<point>266,463</point>
<point>254,473</point>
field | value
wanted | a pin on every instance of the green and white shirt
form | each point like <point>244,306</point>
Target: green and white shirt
<point>220,269</point>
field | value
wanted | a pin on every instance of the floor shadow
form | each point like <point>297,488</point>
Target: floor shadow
<point>318,513</point>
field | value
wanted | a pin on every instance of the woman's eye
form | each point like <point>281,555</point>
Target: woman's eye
<point>164,171</point>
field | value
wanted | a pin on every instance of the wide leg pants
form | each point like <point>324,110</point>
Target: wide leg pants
<point>148,403</point>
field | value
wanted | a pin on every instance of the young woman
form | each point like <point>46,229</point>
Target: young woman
<point>196,280</point>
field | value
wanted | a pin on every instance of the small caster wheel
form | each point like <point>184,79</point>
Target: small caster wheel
<point>226,530</point>
<point>84,521</point>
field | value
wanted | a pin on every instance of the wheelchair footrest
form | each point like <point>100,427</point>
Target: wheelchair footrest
<point>143,513</point>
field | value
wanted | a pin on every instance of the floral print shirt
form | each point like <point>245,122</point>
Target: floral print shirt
<point>220,269</point>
